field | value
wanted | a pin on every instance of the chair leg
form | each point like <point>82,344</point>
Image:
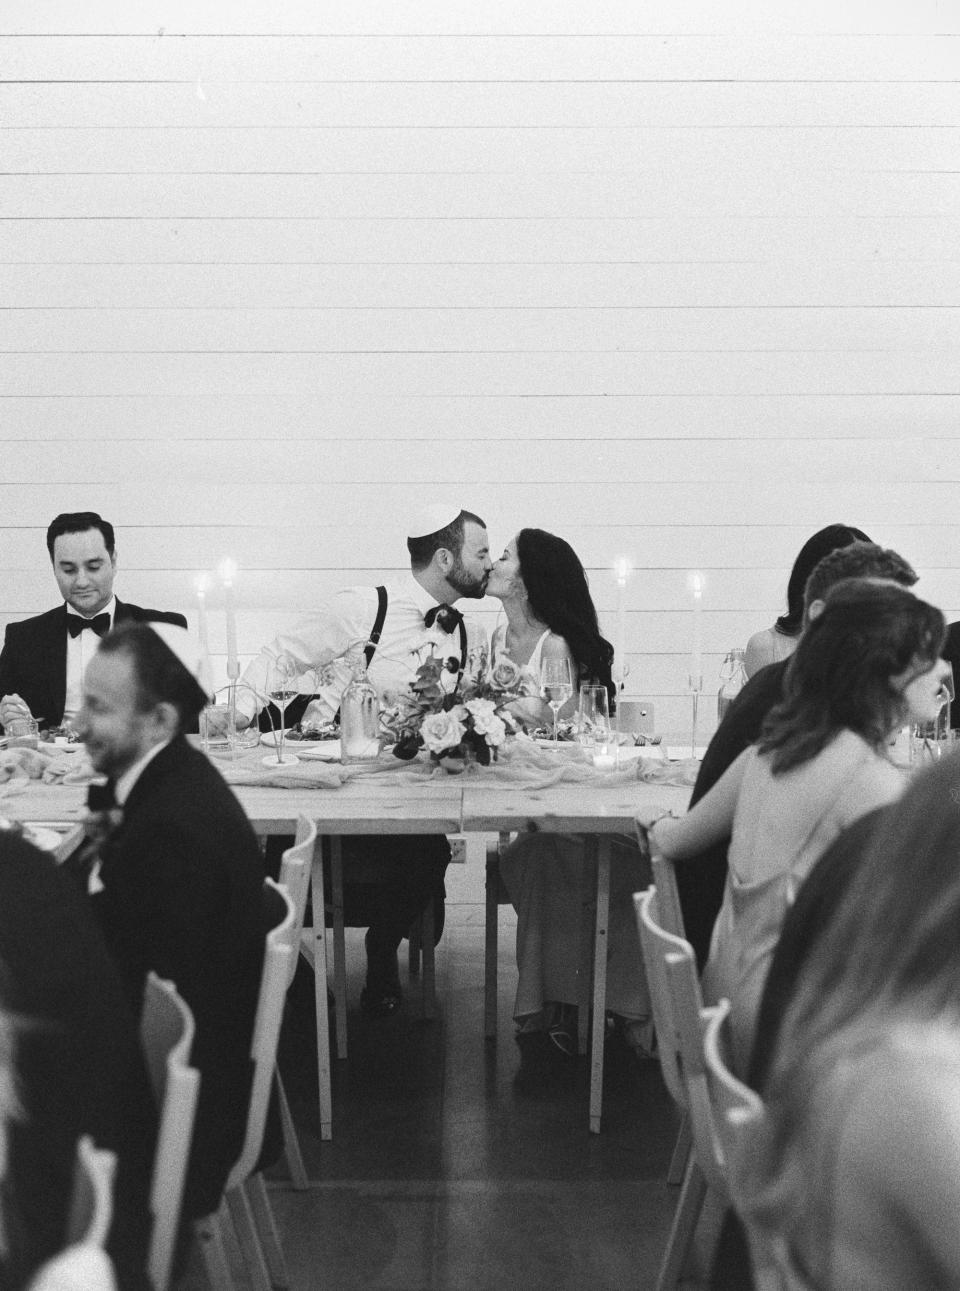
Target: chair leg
<point>415,940</point>
<point>211,1236</point>
<point>256,1189</point>
<point>490,936</point>
<point>681,1152</point>
<point>291,1140</point>
<point>254,1256</point>
<point>682,1229</point>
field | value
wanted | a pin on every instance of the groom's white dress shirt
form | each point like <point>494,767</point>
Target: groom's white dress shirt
<point>340,628</point>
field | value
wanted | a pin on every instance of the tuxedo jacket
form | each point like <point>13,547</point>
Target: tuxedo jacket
<point>182,894</point>
<point>33,662</point>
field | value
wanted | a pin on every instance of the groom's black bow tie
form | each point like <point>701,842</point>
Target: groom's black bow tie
<point>445,616</point>
<point>100,624</point>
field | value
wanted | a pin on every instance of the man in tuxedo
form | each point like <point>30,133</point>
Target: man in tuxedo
<point>701,879</point>
<point>449,560</point>
<point>180,877</point>
<point>43,658</point>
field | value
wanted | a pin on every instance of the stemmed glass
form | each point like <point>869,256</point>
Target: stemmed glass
<point>282,687</point>
<point>556,687</point>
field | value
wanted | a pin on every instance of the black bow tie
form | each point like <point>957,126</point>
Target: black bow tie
<point>100,624</point>
<point>445,616</point>
<point>101,797</point>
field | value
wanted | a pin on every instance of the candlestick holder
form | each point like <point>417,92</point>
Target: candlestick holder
<point>695,687</point>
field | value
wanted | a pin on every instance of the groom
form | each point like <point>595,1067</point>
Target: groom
<point>449,560</point>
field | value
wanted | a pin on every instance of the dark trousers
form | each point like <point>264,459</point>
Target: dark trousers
<point>388,881</point>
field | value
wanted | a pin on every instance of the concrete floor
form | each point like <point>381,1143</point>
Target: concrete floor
<point>443,1174</point>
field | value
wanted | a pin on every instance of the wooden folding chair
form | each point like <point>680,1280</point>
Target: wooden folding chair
<point>166,1037</point>
<point>295,867</point>
<point>736,1110</point>
<point>245,1199</point>
<point>680,1048</point>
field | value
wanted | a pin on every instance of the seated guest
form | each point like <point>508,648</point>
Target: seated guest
<point>951,652</point>
<point>399,624</point>
<point>181,875</point>
<point>868,664</point>
<point>550,613</point>
<point>773,645</point>
<point>77,1068</point>
<point>701,880</point>
<point>855,1173</point>
<point>43,658</point>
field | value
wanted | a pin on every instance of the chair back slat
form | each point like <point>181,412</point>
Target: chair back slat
<point>656,943</point>
<point>295,867</point>
<point>282,943</point>
<point>166,1037</point>
<point>91,1202</point>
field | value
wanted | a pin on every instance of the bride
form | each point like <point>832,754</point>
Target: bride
<point>550,615</point>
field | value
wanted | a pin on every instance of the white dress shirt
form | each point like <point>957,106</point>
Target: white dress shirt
<point>333,637</point>
<point>80,650</point>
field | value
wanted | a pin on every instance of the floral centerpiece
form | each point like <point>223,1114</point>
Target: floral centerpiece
<point>457,720</point>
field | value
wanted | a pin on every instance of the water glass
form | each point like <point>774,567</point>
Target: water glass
<point>593,725</point>
<point>22,733</point>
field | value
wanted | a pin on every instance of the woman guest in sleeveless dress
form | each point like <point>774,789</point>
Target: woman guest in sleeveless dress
<point>853,1176</point>
<point>779,642</point>
<point>550,614</point>
<point>866,666</point>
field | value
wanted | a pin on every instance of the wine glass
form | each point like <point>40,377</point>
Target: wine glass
<point>593,719</point>
<point>282,687</point>
<point>556,687</point>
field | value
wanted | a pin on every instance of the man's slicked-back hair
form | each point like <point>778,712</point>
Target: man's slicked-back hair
<point>450,536</point>
<point>80,522</point>
<point>858,560</point>
<point>159,674</point>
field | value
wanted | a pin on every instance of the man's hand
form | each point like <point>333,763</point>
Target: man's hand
<point>217,718</point>
<point>12,706</point>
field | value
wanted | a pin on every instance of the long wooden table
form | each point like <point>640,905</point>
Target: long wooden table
<point>427,805</point>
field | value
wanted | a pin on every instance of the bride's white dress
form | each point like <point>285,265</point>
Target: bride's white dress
<point>552,885</point>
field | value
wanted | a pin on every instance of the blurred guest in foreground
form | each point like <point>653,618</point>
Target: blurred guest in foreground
<point>181,875</point>
<point>701,879</point>
<point>77,1068</point>
<point>868,664</point>
<point>44,658</point>
<point>855,1173</point>
<point>550,613</point>
<point>773,645</point>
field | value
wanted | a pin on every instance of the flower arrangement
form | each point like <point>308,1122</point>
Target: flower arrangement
<point>468,722</point>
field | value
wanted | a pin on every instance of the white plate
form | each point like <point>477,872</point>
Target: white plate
<point>63,745</point>
<point>48,840</point>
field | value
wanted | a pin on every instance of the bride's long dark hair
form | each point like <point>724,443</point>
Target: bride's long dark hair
<point>557,587</point>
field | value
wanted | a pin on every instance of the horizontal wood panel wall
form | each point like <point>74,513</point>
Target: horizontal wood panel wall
<point>680,282</point>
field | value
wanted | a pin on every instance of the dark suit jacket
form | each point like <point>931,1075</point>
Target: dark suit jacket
<point>182,895</point>
<point>701,879</point>
<point>33,662</point>
<point>951,652</point>
<point>78,1065</point>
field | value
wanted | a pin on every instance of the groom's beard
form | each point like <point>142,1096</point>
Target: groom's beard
<point>465,584</point>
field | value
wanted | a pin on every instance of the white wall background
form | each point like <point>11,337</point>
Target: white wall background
<point>679,281</point>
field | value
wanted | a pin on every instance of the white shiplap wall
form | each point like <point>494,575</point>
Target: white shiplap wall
<point>678,281</point>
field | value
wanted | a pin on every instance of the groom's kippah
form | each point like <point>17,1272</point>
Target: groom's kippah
<point>430,519</point>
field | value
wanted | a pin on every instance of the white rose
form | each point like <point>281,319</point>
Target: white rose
<point>483,712</point>
<point>495,732</point>
<point>441,731</point>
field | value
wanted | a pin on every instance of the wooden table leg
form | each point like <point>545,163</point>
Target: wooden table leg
<point>600,981</point>
<point>339,945</point>
<point>319,933</point>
